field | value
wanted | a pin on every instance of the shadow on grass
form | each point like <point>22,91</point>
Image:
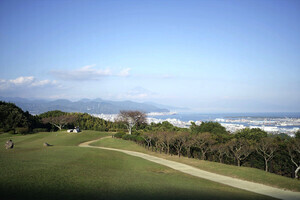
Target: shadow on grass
<point>63,194</point>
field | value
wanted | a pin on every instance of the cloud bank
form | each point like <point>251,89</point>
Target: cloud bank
<point>29,87</point>
<point>25,82</point>
<point>88,73</point>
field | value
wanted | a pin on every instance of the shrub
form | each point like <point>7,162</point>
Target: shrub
<point>22,130</point>
<point>129,137</point>
<point>119,135</point>
<point>36,130</point>
<point>12,131</point>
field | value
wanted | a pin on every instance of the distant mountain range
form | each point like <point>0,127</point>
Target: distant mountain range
<point>92,106</point>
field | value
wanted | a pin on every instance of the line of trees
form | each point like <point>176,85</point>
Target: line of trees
<point>60,120</point>
<point>278,154</point>
<point>14,120</point>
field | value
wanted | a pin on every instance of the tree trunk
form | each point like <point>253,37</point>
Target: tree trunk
<point>59,126</point>
<point>189,152</point>
<point>296,172</point>
<point>129,130</point>
<point>239,162</point>
<point>266,165</point>
<point>220,158</point>
<point>203,155</point>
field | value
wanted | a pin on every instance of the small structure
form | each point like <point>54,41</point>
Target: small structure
<point>9,144</point>
<point>75,130</point>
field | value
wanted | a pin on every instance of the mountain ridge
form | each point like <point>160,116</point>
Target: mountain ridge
<point>91,106</point>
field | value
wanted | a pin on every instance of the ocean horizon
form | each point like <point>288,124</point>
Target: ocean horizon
<point>196,116</point>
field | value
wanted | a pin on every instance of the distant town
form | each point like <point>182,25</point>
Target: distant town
<point>270,125</point>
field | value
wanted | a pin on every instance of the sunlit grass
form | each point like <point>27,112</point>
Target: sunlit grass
<point>245,173</point>
<point>66,171</point>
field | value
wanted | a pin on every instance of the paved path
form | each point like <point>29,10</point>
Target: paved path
<point>237,183</point>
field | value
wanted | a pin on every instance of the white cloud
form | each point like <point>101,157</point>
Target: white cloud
<point>24,82</point>
<point>124,72</point>
<point>30,87</point>
<point>87,73</point>
<point>137,93</point>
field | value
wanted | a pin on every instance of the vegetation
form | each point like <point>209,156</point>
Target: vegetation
<point>66,171</point>
<point>131,118</point>
<point>14,120</point>
<point>209,141</point>
<point>248,147</point>
<point>244,173</point>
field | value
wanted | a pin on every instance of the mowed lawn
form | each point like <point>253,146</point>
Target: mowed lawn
<point>66,171</point>
<point>245,173</point>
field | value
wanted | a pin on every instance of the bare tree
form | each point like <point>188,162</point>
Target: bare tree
<point>180,140</point>
<point>221,150</point>
<point>294,152</point>
<point>204,141</point>
<point>189,144</point>
<point>167,138</point>
<point>148,138</point>
<point>156,141</point>
<point>161,144</point>
<point>240,148</point>
<point>60,121</point>
<point>131,118</point>
<point>266,147</point>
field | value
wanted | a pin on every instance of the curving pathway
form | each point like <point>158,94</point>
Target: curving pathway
<point>237,183</point>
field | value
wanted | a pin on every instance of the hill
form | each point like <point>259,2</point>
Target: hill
<point>14,119</point>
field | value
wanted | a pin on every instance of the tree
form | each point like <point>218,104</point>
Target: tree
<point>251,134</point>
<point>148,137</point>
<point>131,118</point>
<point>297,134</point>
<point>211,127</point>
<point>203,141</point>
<point>168,139</point>
<point>266,147</point>
<point>189,144</point>
<point>180,140</point>
<point>60,121</point>
<point>240,148</point>
<point>294,152</point>
<point>220,150</point>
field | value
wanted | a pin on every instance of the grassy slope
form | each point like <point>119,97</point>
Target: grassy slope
<point>246,173</point>
<point>66,171</point>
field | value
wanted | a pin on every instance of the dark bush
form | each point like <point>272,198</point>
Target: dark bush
<point>119,135</point>
<point>129,137</point>
<point>22,130</point>
<point>36,130</point>
<point>126,137</point>
<point>12,131</point>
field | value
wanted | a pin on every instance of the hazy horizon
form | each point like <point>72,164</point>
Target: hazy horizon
<point>210,56</point>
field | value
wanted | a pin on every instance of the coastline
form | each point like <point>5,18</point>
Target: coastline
<point>274,123</point>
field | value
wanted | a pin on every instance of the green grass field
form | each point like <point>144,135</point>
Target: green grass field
<point>245,173</point>
<point>66,171</point>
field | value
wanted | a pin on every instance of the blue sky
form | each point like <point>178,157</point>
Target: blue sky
<point>211,56</point>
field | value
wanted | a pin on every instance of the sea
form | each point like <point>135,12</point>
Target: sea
<point>212,116</point>
<point>285,122</point>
